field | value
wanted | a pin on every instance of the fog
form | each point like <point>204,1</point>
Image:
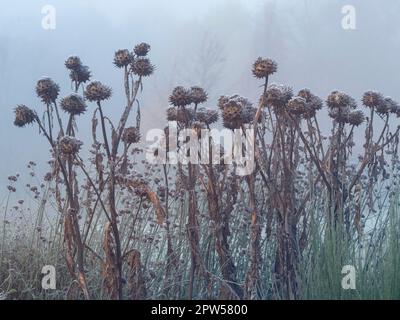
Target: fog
<point>210,43</point>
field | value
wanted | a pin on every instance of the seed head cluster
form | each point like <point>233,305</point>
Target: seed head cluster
<point>78,72</point>
<point>141,49</point>
<point>198,95</point>
<point>73,104</point>
<point>122,58</point>
<point>96,91</point>
<point>181,115</point>
<point>297,170</point>
<point>47,90</point>
<point>180,97</point>
<point>207,116</point>
<point>236,111</point>
<point>131,135</point>
<point>69,145</point>
<point>23,116</point>
<point>277,96</point>
<point>262,68</point>
<point>142,67</point>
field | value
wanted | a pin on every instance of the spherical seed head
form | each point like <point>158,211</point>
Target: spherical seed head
<point>222,102</point>
<point>356,118</point>
<point>131,135</point>
<point>372,99</point>
<point>179,114</point>
<point>180,97</point>
<point>231,112</point>
<point>339,100</point>
<point>278,95</point>
<point>199,95</point>
<point>315,103</point>
<point>235,111</point>
<point>141,49</point>
<point>81,74</point>
<point>262,68</point>
<point>23,116</point>
<point>207,116</point>
<point>236,100</point>
<point>142,67</point>
<point>172,114</point>
<point>297,106</point>
<point>122,58</point>
<point>47,90</point>
<point>73,63</point>
<point>231,109</point>
<point>69,145</point>
<point>96,91</point>
<point>73,104</point>
<point>305,94</point>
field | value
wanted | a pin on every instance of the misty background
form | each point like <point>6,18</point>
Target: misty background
<point>211,43</point>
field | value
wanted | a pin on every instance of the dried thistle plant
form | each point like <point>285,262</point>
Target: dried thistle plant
<point>199,230</point>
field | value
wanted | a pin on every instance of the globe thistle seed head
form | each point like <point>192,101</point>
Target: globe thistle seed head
<point>236,111</point>
<point>339,100</point>
<point>232,112</point>
<point>207,116</point>
<point>181,115</point>
<point>222,101</point>
<point>96,91</point>
<point>180,97</point>
<point>372,99</point>
<point>142,67</point>
<point>141,49</point>
<point>312,100</point>
<point>131,135</point>
<point>297,106</point>
<point>234,100</point>
<point>122,58</point>
<point>23,116</point>
<point>356,118</point>
<point>315,103</point>
<point>47,90</point>
<point>81,74</point>
<point>278,96</point>
<point>198,94</point>
<point>69,145</point>
<point>305,94</point>
<point>262,68</point>
<point>73,104</point>
<point>73,63</point>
